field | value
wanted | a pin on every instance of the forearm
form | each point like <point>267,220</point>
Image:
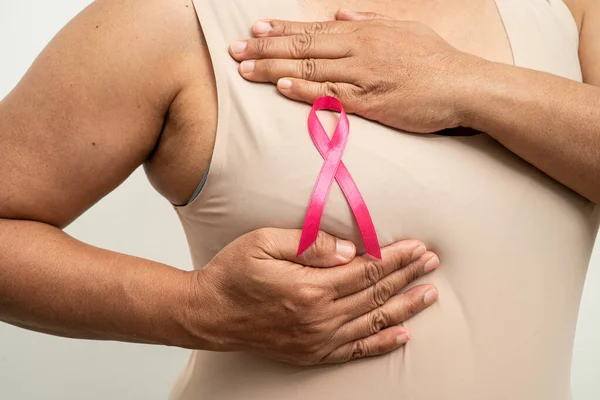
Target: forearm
<point>52,283</point>
<point>549,121</point>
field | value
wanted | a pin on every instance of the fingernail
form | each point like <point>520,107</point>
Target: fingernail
<point>344,248</point>
<point>284,84</point>
<point>262,27</point>
<point>432,264</point>
<point>402,339</point>
<point>239,47</point>
<point>430,297</point>
<point>247,66</point>
<point>418,252</point>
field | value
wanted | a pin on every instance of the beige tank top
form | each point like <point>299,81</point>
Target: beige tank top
<point>514,243</point>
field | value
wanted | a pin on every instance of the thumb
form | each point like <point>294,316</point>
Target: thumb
<point>326,251</point>
<point>344,14</point>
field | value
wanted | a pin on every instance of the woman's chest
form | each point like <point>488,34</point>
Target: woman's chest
<point>542,36</point>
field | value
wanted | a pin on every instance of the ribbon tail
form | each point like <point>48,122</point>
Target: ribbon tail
<point>309,233</point>
<point>318,200</point>
<point>360,210</point>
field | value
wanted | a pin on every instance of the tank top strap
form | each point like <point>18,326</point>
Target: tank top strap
<point>531,25</point>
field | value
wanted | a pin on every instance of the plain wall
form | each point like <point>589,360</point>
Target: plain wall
<point>135,220</point>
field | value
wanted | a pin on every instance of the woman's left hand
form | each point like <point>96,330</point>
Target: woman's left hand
<point>399,73</point>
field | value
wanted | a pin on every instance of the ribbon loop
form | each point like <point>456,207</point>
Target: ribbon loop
<point>334,168</point>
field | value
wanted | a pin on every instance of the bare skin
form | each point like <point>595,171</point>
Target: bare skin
<point>128,83</point>
<point>108,95</point>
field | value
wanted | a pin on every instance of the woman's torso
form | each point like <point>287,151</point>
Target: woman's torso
<point>514,243</point>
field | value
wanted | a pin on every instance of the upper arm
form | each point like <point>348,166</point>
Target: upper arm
<point>91,108</point>
<point>589,41</point>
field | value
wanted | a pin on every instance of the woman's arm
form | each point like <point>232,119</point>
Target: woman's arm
<point>551,122</point>
<point>87,113</point>
<point>52,283</point>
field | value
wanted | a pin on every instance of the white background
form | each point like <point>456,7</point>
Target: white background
<point>135,220</point>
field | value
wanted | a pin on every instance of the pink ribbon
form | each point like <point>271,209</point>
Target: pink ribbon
<point>332,151</point>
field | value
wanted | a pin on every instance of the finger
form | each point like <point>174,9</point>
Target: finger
<point>282,244</point>
<point>344,14</point>
<point>295,47</point>
<point>309,69</point>
<point>384,342</point>
<point>365,272</point>
<point>308,91</point>
<point>274,28</point>
<point>395,311</point>
<point>376,296</point>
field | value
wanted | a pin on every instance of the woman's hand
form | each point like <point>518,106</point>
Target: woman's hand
<point>399,73</point>
<point>261,298</point>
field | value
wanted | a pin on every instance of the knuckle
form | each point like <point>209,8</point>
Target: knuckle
<point>382,291</point>
<point>402,259</point>
<point>373,272</point>
<point>333,90</point>
<point>359,349</point>
<point>308,69</point>
<point>278,27</point>
<point>301,45</point>
<point>262,46</point>
<point>322,244</point>
<point>379,320</point>
<point>315,27</point>
<point>309,297</point>
<point>412,273</point>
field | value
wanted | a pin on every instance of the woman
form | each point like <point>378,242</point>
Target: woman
<point>514,241</point>
<point>107,95</point>
<point>500,225</point>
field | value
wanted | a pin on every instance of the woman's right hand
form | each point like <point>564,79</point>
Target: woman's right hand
<point>326,306</point>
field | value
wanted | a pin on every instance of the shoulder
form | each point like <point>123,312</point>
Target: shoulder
<point>587,15</point>
<point>157,30</point>
<point>92,106</point>
<point>579,8</point>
